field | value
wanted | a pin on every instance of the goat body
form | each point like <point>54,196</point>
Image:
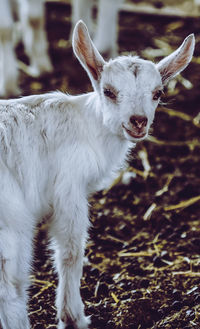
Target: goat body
<point>55,150</point>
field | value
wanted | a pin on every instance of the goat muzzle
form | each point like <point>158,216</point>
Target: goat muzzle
<point>138,121</point>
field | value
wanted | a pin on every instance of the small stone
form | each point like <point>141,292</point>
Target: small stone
<point>144,283</point>
<point>127,177</point>
<point>94,272</point>
<point>165,255</point>
<point>190,314</point>
<point>158,262</point>
<point>177,305</point>
<point>176,294</point>
<point>197,298</point>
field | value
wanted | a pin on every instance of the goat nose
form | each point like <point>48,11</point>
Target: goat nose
<point>138,121</point>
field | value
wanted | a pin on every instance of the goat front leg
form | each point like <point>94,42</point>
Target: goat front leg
<point>16,234</point>
<point>69,232</point>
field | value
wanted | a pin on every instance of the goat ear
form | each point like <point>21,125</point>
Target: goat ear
<point>87,53</point>
<point>173,64</point>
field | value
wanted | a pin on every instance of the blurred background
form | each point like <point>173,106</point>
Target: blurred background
<point>142,268</point>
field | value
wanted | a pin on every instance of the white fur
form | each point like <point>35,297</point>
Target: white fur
<point>55,150</point>
<point>105,37</point>
<point>32,19</point>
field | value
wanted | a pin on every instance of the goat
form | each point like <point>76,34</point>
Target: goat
<point>56,150</point>
<point>31,15</point>
<point>105,37</point>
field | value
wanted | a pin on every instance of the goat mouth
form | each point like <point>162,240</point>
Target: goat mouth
<point>133,133</point>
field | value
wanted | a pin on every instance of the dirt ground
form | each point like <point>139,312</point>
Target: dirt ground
<point>142,268</point>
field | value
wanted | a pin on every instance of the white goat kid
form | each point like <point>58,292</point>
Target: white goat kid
<point>55,151</point>
<point>105,36</point>
<point>32,23</point>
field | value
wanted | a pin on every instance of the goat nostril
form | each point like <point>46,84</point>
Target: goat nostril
<point>138,121</point>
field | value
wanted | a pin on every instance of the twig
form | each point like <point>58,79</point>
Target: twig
<point>183,204</point>
<point>145,162</point>
<point>115,297</point>
<point>191,143</point>
<point>37,311</point>
<point>165,187</point>
<point>42,289</point>
<point>180,115</point>
<point>187,273</point>
<point>149,211</point>
<point>137,254</point>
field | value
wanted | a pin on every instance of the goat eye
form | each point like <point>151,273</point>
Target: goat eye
<point>157,95</point>
<point>108,93</point>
